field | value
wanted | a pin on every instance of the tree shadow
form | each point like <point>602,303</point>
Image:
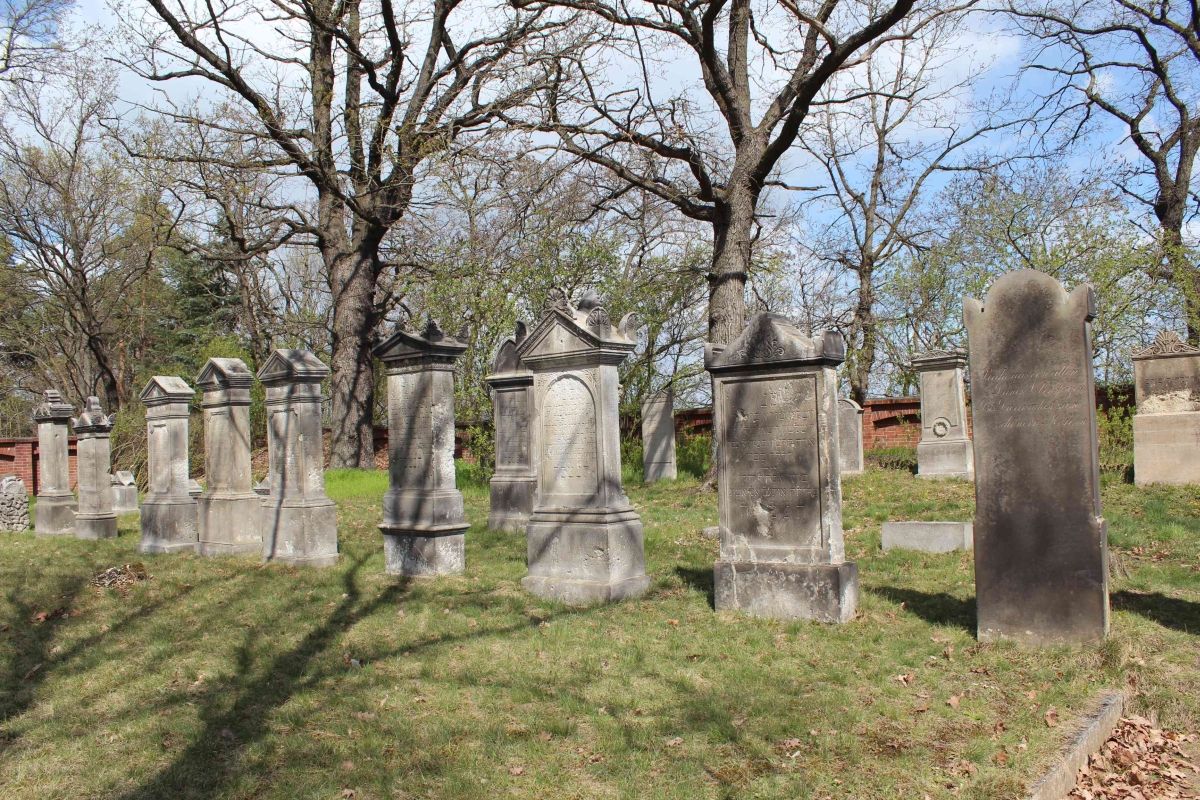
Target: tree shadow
<point>938,609</point>
<point>1170,612</point>
<point>701,580</point>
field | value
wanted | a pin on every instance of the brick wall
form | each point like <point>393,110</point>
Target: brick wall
<point>20,457</point>
<point>891,422</point>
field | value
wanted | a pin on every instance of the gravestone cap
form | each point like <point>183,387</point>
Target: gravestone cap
<point>53,408</point>
<point>224,373</point>
<point>847,401</point>
<point>1166,345</point>
<point>952,358</point>
<point>772,339</point>
<point>92,419</point>
<point>567,330</point>
<point>292,366</point>
<point>164,389</point>
<point>404,346</point>
<point>507,365</point>
<point>123,478</point>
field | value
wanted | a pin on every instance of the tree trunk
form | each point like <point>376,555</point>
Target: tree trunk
<point>730,263</point>
<point>352,277</point>
<point>865,325</point>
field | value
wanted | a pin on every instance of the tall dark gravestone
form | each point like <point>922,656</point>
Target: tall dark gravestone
<point>1041,554</point>
<point>514,483</point>
<point>779,491</point>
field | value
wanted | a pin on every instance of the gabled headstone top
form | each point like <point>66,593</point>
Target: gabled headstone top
<point>53,408</point>
<point>403,346</point>
<point>1166,345</point>
<point>224,373</point>
<point>164,389</point>
<point>567,330</point>
<point>940,359</point>
<point>92,419</point>
<point>293,366</point>
<point>773,339</point>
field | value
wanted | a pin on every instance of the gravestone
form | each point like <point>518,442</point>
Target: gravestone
<point>56,505</point>
<point>1041,571</point>
<point>95,518</point>
<point>658,438</point>
<point>514,483</point>
<point>850,437</point>
<point>424,527</point>
<point>779,491</point>
<point>584,540</point>
<point>168,511</point>
<point>928,537</point>
<point>14,504</point>
<point>1166,427</point>
<point>945,448</point>
<point>299,521</point>
<point>229,510</point>
<point>125,492</point>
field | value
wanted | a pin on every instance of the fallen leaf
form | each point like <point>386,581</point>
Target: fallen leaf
<point>1001,758</point>
<point>674,741</point>
<point>953,701</point>
<point>516,771</point>
<point>1051,717</point>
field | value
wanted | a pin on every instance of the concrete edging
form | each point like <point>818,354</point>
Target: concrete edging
<point>1095,730</point>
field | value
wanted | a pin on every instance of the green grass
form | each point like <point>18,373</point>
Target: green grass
<point>228,679</point>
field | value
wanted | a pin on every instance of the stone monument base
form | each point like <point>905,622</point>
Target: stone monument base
<point>584,556</point>
<point>511,503</point>
<point>125,500</point>
<point>54,515</point>
<point>312,534</point>
<point>168,526</point>
<point>820,592</point>
<point>953,459</point>
<point>424,555</point>
<point>95,526</point>
<point>928,537</point>
<point>229,526</point>
<point>1164,448</point>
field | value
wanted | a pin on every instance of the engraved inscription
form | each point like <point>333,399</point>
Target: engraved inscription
<point>569,451</point>
<point>1049,397</point>
<point>512,429</point>
<point>771,463</point>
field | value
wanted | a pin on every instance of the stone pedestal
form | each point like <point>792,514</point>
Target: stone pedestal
<point>95,518</point>
<point>168,511</point>
<point>928,537</point>
<point>776,406</point>
<point>1166,427</point>
<point>1041,551</point>
<point>424,527</point>
<point>658,438</point>
<point>56,505</point>
<point>299,521</point>
<point>229,509</point>
<point>125,492</point>
<point>584,540</point>
<point>945,448</point>
<point>850,437</point>
<point>514,483</point>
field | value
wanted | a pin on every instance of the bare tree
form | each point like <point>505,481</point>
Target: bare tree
<point>710,150</point>
<point>351,97</point>
<point>29,36</point>
<point>881,153</point>
<point>1135,63</point>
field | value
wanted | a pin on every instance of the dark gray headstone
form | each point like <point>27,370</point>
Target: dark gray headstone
<point>850,437</point>
<point>1166,427</point>
<point>1041,573</point>
<point>514,483</point>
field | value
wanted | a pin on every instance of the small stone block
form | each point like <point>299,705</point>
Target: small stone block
<point>424,556</point>
<point>928,537</point>
<point>818,592</point>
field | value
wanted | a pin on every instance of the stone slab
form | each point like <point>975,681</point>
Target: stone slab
<point>54,516</point>
<point>946,460</point>
<point>658,438</point>
<point>928,537</point>
<point>850,437</point>
<point>818,592</point>
<point>424,556</point>
<point>229,525</point>
<point>1166,448</point>
<point>585,561</point>
<point>168,527</point>
<point>1095,729</point>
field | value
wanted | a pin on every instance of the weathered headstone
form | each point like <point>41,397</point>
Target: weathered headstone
<point>125,492</point>
<point>56,505</point>
<point>1166,427</point>
<point>945,448</point>
<point>14,504</point>
<point>850,437</point>
<point>424,527</point>
<point>229,511</point>
<point>658,438</point>
<point>168,511</point>
<point>584,540</point>
<point>299,521</point>
<point>1041,571</point>
<point>514,482</point>
<point>779,492</point>
<point>95,518</point>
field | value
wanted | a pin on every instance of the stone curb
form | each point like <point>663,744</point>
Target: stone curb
<point>1095,729</point>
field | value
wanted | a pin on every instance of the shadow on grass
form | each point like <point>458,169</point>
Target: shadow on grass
<point>938,609</point>
<point>701,580</point>
<point>1170,612</point>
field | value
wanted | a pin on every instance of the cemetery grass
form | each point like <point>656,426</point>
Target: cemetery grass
<point>229,679</point>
